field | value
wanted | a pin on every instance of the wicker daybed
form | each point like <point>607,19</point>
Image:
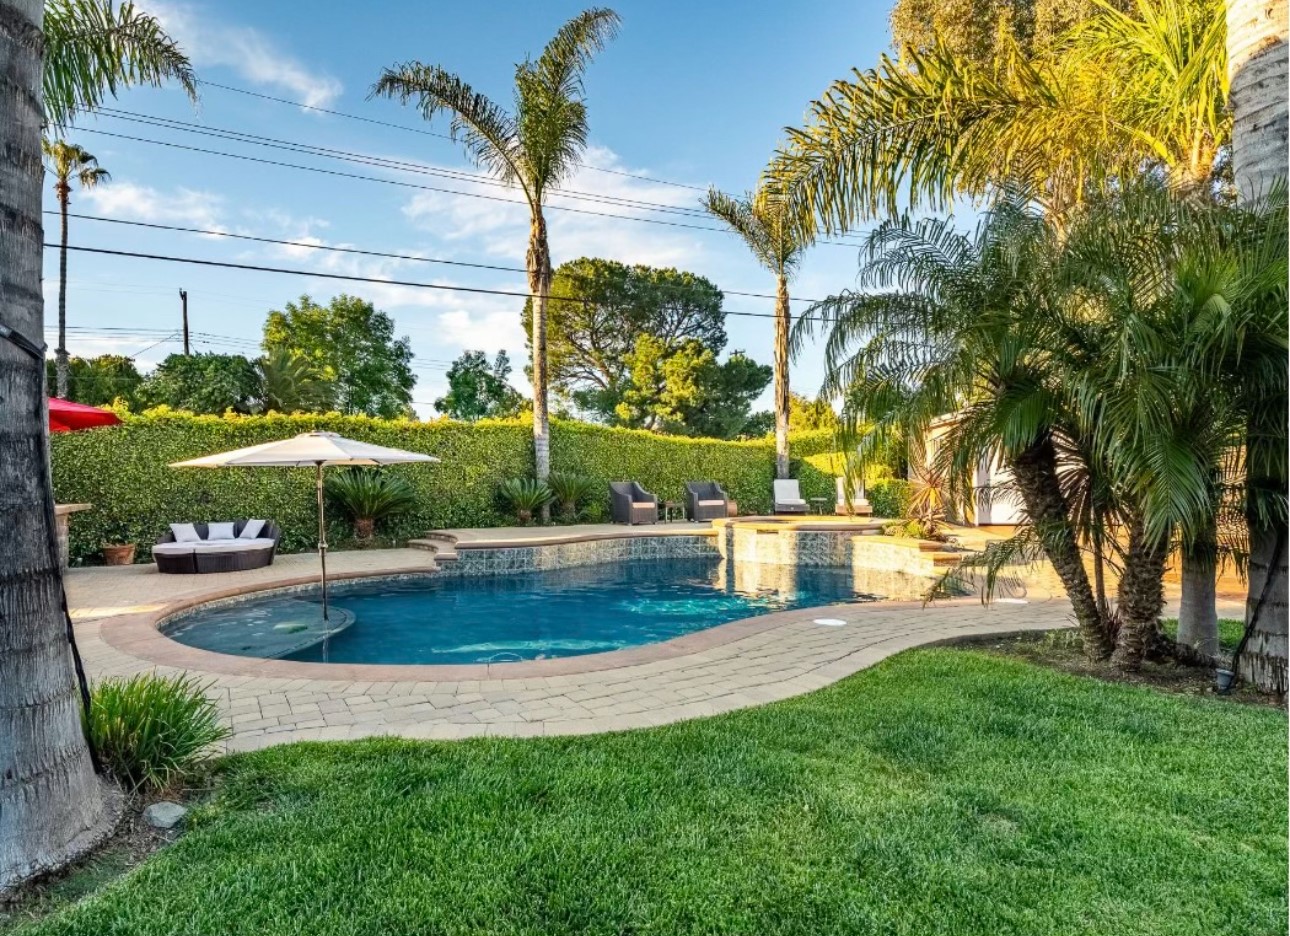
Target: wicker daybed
<point>236,554</point>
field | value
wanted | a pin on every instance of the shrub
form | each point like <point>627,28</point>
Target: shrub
<point>890,498</point>
<point>524,497</point>
<point>152,731</point>
<point>571,493</point>
<point>368,496</point>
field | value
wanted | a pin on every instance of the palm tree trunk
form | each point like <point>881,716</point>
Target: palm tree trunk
<point>52,806</point>
<point>539,271</point>
<point>1035,472</point>
<point>1141,596</point>
<point>1256,65</point>
<point>1198,611</point>
<point>783,321</point>
<point>60,355</point>
<point>1257,37</point>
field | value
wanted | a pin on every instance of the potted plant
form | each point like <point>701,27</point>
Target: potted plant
<point>117,548</point>
<point>524,497</point>
<point>368,495</point>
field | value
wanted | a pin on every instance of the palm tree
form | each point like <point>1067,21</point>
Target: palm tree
<point>67,161</point>
<point>1257,52</point>
<point>535,148</point>
<point>52,805</point>
<point>1120,92</point>
<point>762,220</point>
<point>291,383</point>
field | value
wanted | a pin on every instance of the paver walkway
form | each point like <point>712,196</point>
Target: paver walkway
<point>728,667</point>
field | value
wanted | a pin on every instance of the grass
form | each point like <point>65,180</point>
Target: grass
<point>944,791</point>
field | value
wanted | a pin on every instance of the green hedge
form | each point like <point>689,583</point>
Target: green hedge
<point>889,498</point>
<point>123,471</point>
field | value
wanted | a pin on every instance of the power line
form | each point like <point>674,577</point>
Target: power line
<point>351,250</point>
<point>338,276</point>
<point>430,133</point>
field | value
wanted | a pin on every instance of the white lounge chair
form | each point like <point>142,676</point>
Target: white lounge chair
<point>788,497</point>
<point>858,504</point>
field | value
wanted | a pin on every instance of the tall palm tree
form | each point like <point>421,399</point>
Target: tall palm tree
<point>534,148</point>
<point>1257,44</point>
<point>67,161</point>
<point>1120,91</point>
<point>762,220</point>
<point>291,383</point>
<point>52,806</point>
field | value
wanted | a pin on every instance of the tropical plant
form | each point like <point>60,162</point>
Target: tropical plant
<point>67,162</point>
<point>52,806</point>
<point>291,383</point>
<point>368,495</point>
<point>571,492</point>
<point>154,731</point>
<point>524,497</point>
<point>535,148</point>
<point>1122,92</point>
<point>1257,38</point>
<point>763,220</point>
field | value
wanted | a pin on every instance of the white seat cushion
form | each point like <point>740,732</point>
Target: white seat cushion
<point>643,504</point>
<point>711,503</point>
<point>185,533</point>
<point>173,549</point>
<point>252,529</point>
<point>219,531</point>
<point>787,501</point>
<point>232,545</point>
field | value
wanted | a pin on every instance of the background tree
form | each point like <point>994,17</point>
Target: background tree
<point>67,162</point>
<point>598,310</point>
<point>683,390</point>
<point>479,390</point>
<point>290,383</point>
<point>99,381</point>
<point>204,383</point>
<point>354,349</point>
<point>535,148</point>
<point>52,807</point>
<point>806,414</point>
<point>1257,44</point>
<point>764,221</point>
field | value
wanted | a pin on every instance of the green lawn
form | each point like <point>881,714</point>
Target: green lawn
<point>944,791</point>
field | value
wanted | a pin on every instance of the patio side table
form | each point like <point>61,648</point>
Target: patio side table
<point>673,507</point>
<point>818,504</point>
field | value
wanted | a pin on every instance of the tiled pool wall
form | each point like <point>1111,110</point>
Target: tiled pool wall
<point>537,558</point>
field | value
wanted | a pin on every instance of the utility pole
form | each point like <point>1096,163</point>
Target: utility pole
<point>183,297</point>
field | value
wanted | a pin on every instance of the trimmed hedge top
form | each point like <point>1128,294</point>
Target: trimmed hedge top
<point>124,471</point>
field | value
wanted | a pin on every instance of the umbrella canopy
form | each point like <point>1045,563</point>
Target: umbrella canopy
<point>317,450</point>
<point>66,416</point>
<point>307,450</point>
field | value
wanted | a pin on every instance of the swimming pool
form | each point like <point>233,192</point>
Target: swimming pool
<point>525,616</point>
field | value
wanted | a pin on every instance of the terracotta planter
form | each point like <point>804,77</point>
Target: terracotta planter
<point>119,555</point>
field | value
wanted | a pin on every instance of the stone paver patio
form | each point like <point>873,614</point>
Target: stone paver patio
<point>728,667</point>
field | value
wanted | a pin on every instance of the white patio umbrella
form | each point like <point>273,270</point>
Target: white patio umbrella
<point>317,450</point>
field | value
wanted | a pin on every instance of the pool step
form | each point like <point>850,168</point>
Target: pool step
<point>443,546</point>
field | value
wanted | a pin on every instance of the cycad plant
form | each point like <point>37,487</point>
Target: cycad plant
<point>571,493</point>
<point>368,495</point>
<point>524,497</point>
<point>535,148</point>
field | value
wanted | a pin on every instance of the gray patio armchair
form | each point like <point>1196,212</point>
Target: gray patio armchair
<point>704,500</point>
<point>788,497</point>
<point>630,503</point>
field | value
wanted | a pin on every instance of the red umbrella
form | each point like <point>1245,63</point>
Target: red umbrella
<point>66,416</point>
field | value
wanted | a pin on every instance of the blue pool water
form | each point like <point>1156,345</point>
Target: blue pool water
<point>524,616</point>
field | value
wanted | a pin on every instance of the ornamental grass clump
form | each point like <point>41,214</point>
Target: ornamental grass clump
<point>154,731</point>
<point>524,497</point>
<point>368,496</point>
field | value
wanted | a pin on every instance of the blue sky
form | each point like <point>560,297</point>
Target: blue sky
<point>691,93</point>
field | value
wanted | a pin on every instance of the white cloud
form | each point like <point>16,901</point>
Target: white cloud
<point>246,51</point>
<point>131,201</point>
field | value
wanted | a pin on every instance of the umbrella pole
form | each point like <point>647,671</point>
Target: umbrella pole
<point>322,539</point>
